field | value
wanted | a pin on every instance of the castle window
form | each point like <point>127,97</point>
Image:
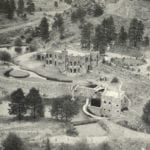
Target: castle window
<point>109,102</point>
<point>105,102</point>
<point>71,70</point>
<point>75,70</point>
<point>75,63</point>
<point>71,63</point>
<point>50,62</point>
<point>50,55</point>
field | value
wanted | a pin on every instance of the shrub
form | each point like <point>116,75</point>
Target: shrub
<point>18,49</point>
<point>5,56</point>
<point>115,80</point>
<point>72,131</point>
<point>18,42</point>
<point>98,10</point>
<point>68,2</point>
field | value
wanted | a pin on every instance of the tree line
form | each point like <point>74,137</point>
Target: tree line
<point>61,108</point>
<point>10,7</point>
<point>105,33</point>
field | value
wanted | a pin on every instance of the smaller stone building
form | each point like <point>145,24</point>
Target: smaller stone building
<point>105,100</point>
<point>70,61</point>
<point>108,102</point>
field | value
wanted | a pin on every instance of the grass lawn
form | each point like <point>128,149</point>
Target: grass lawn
<point>91,130</point>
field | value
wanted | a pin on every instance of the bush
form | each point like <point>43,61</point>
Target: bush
<point>72,131</point>
<point>115,80</point>
<point>79,14</point>
<point>5,56</point>
<point>18,42</point>
<point>68,2</point>
<point>98,11</point>
<point>18,50</point>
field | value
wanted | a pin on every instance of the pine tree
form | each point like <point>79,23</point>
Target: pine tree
<point>30,6</point>
<point>146,41</point>
<point>146,112</point>
<point>109,29</point>
<point>98,10</point>
<point>48,145</point>
<point>13,142</point>
<point>44,29</point>
<point>35,103</point>
<point>86,36</point>
<point>20,9</point>
<point>136,31</point>
<point>17,105</point>
<point>122,37</point>
<point>100,39</point>
<point>58,21</point>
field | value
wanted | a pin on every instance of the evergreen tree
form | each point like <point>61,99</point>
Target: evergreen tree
<point>17,105</point>
<point>136,31</point>
<point>146,112</point>
<point>5,56</point>
<point>56,4</point>
<point>58,23</point>
<point>35,103</point>
<point>122,37</point>
<point>98,11</point>
<point>86,36</point>
<point>146,41</point>
<point>13,5</point>
<point>13,142</point>
<point>30,6</point>
<point>100,39</point>
<point>20,9</point>
<point>44,29</point>
<point>48,145</point>
<point>109,29</point>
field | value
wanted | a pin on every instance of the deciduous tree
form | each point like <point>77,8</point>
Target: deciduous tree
<point>64,109</point>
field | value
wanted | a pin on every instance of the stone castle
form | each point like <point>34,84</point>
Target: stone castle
<point>70,61</point>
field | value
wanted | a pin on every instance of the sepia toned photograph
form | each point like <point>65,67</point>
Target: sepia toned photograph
<point>74,74</point>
